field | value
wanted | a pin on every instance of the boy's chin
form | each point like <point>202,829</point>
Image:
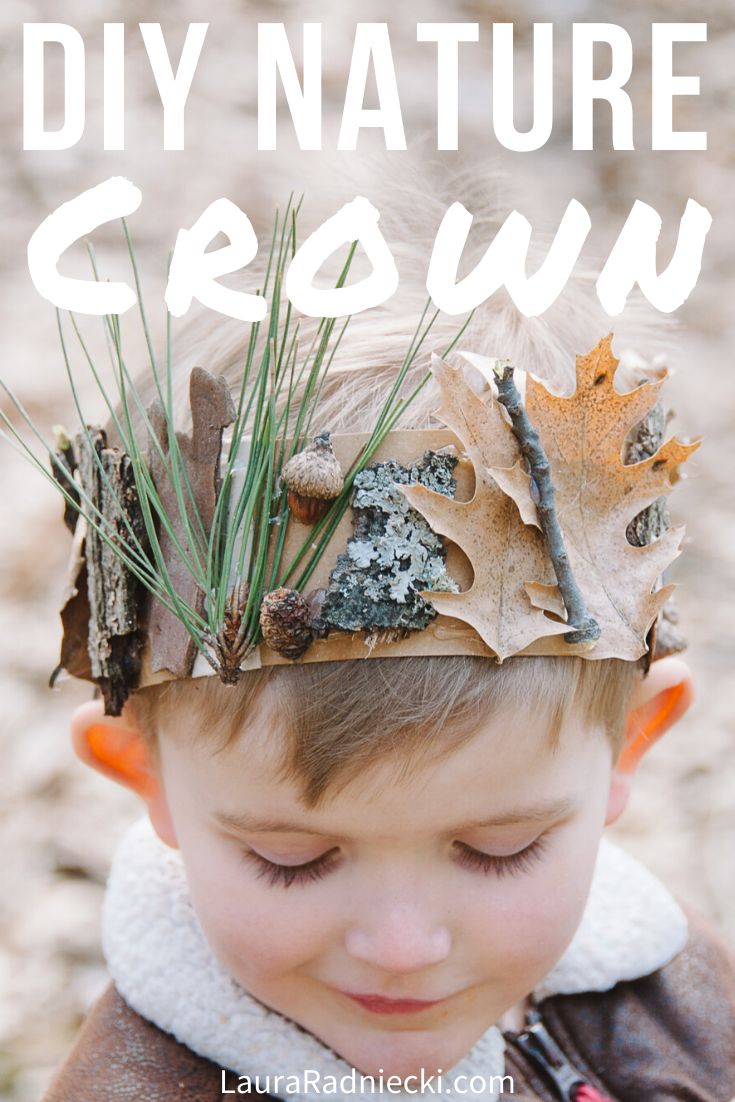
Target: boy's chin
<point>406,1052</point>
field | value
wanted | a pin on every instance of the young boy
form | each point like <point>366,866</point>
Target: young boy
<point>386,875</point>
<point>414,909</point>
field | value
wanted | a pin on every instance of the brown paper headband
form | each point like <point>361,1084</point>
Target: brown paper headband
<point>531,526</point>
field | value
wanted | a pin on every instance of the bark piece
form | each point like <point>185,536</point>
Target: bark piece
<point>171,646</point>
<point>116,597</point>
<point>74,657</point>
<point>644,441</point>
<point>63,464</point>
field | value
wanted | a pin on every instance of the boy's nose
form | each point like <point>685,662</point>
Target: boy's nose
<point>398,939</point>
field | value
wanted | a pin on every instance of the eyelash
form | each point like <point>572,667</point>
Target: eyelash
<point>292,874</point>
<point>511,865</point>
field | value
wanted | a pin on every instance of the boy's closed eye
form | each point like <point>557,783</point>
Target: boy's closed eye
<point>514,863</point>
<point>516,841</point>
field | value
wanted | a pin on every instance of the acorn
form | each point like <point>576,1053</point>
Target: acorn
<point>285,620</point>
<point>314,479</point>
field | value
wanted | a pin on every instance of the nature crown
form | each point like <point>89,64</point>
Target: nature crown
<point>530,524</point>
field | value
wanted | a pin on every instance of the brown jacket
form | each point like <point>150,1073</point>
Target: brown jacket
<point>670,1035</point>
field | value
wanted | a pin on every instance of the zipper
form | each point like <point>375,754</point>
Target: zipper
<point>542,1051</point>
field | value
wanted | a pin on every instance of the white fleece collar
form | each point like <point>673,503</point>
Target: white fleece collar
<point>165,970</point>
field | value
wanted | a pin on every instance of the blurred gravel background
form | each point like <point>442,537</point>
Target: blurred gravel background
<point>60,822</point>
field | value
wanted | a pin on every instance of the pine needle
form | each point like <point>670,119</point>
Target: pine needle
<point>246,540</point>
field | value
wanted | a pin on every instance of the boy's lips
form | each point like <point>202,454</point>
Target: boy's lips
<point>378,1004</point>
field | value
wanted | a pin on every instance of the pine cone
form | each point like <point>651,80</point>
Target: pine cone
<point>231,643</point>
<point>285,620</point>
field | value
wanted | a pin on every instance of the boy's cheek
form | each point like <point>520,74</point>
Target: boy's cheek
<point>256,945</point>
<point>248,923</point>
<point>530,935</point>
<point>232,902</point>
<point>533,918</point>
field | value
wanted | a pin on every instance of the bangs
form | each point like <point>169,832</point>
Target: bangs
<point>337,719</point>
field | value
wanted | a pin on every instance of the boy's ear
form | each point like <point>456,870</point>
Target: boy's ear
<point>658,701</point>
<point>115,747</point>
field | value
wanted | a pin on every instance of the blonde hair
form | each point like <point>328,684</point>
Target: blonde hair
<point>412,200</point>
<point>341,717</point>
<point>336,719</point>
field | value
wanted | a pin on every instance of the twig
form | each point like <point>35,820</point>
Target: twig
<point>586,629</point>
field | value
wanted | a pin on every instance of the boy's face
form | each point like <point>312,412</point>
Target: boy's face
<point>402,897</point>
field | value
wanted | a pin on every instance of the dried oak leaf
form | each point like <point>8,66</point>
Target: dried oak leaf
<point>503,550</point>
<point>597,495</point>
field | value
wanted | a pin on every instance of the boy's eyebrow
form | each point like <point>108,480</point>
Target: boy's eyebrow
<point>538,813</point>
<point>252,824</point>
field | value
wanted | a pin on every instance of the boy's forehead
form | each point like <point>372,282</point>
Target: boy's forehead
<point>506,773</point>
